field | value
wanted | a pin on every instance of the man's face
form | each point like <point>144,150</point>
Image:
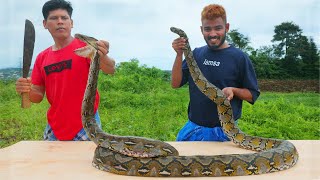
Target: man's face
<point>59,24</point>
<point>214,33</point>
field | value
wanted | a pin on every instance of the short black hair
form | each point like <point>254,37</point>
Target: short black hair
<point>54,5</point>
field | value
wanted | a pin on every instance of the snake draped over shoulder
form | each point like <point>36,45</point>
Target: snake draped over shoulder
<point>138,156</point>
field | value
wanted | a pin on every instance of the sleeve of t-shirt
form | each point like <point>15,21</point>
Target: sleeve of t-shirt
<point>185,73</point>
<point>36,77</point>
<point>250,79</point>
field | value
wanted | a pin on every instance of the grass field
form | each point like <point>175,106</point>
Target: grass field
<point>160,111</point>
<point>139,101</point>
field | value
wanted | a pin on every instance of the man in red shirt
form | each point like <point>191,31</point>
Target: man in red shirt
<point>62,75</point>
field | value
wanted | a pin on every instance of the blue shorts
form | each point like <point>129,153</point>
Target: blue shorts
<point>48,134</point>
<point>194,132</point>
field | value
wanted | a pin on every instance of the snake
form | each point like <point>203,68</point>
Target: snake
<point>140,156</point>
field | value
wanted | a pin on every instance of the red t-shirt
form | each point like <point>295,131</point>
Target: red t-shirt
<point>64,76</point>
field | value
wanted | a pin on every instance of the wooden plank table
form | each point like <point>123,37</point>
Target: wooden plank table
<point>72,160</point>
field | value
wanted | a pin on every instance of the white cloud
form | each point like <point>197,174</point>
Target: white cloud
<point>140,28</point>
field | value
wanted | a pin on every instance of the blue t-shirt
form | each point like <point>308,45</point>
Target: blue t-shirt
<point>229,67</point>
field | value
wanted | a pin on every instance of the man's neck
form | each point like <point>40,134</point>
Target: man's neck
<point>61,43</point>
<point>224,45</point>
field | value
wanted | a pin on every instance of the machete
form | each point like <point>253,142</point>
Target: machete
<point>28,46</point>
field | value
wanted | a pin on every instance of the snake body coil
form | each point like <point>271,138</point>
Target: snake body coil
<point>137,156</point>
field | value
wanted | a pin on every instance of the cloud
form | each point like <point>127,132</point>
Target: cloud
<point>140,28</point>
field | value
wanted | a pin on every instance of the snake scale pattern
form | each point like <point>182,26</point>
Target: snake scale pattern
<point>138,156</point>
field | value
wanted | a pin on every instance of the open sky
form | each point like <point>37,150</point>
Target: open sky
<point>140,28</point>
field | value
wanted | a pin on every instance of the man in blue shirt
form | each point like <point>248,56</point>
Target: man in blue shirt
<point>223,65</point>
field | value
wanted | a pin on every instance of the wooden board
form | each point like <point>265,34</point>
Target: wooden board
<point>72,160</point>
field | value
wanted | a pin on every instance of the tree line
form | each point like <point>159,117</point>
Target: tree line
<point>291,55</point>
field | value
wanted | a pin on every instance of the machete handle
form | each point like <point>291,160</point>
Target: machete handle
<point>25,101</point>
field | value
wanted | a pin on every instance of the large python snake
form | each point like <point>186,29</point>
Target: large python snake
<point>138,156</point>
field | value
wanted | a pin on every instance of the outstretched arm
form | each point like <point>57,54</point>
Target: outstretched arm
<point>178,45</point>
<point>241,93</point>
<point>107,64</point>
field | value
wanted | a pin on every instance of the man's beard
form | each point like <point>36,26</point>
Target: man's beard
<point>215,47</point>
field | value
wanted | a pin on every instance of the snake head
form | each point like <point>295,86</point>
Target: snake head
<point>178,31</point>
<point>90,49</point>
<point>88,40</point>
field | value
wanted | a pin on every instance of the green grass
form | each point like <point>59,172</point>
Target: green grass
<point>139,105</point>
<point>18,124</point>
<point>283,116</point>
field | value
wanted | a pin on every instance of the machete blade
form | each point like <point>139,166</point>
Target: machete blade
<point>28,46</point>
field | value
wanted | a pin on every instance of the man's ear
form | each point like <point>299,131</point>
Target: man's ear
<point>227,27</point>
<point>71,23</point>
<point>44,22</point>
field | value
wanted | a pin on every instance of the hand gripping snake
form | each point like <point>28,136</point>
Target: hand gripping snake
<point>138,156</point>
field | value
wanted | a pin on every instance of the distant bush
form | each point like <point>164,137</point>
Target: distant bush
<point>131,77</point>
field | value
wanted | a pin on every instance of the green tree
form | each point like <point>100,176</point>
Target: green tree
<point>266,63</point>
<point>285,38</point>
<point>311,60</point>
<point>239,40</point>
<point>290,45</point>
